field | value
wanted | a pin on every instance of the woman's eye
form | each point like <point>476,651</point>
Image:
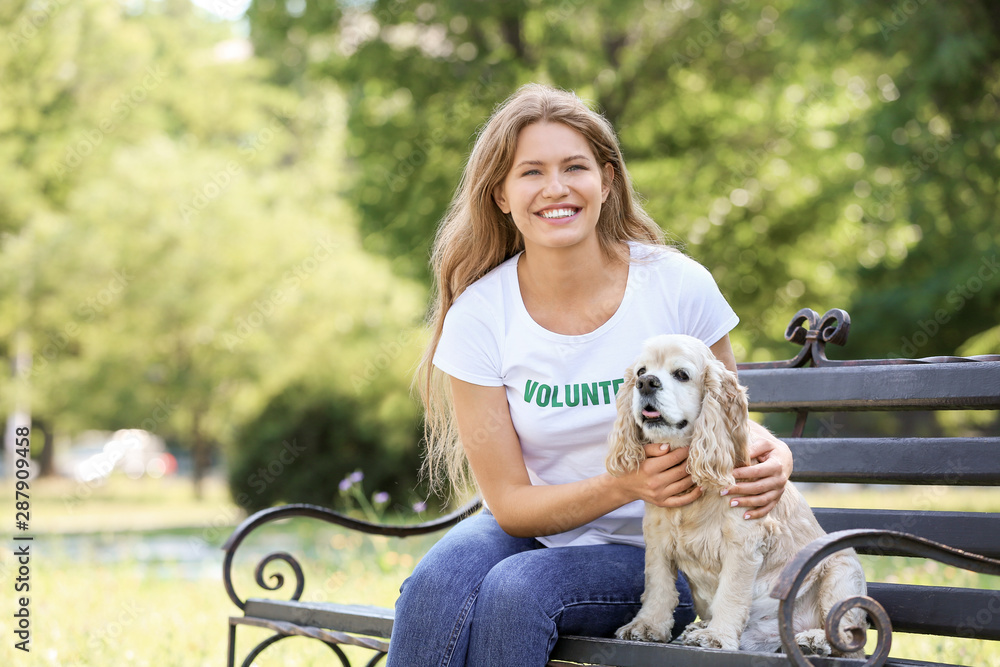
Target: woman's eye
<point>681,376</point>
<point>641,371</point>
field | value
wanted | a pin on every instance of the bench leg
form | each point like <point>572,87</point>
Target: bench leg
<point>231,660</point>
<point>259,648</point>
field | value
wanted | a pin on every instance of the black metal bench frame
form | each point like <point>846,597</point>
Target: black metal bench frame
<point>808,383</point>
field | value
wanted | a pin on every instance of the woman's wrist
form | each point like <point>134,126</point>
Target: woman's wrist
<point>616,489</point>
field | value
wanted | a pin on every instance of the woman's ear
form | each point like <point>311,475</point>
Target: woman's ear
<point>625,452</point>
<point>609,178</point>
<point>500,198</point>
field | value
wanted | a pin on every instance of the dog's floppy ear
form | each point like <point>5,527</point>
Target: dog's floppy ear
<point>626,452</point>
<point>719,440</point>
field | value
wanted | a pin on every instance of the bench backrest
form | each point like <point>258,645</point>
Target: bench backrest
<point>827,449</point>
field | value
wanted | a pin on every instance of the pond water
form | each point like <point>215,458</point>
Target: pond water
<point>155,554</point>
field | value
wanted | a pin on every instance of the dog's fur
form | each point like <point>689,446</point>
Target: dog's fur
<point>678,393</point>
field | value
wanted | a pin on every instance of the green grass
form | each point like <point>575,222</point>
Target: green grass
<point>99,598</point>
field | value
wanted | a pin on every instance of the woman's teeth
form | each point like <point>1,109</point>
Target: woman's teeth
<point>558,213</point>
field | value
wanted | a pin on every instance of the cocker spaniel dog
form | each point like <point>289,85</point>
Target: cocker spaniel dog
<point>678,393</point>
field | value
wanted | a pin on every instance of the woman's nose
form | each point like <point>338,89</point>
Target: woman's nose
<point>555,187</point>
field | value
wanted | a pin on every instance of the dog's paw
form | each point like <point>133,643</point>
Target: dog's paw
<point>706,638</point>
<point>696,625</point>
<point>813,642</point>
<point>643,631</point>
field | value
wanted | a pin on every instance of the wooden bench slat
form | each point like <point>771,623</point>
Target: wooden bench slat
<point>377,622</point>
<point>619,653</point>
<point>959,386</point>
<point>939,610</point>
<point>919,609</point>
<point>950,461</point>
<point>978,532</point>
<point>357,619</point>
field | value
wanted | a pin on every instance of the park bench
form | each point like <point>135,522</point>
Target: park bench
<point>825,453</point>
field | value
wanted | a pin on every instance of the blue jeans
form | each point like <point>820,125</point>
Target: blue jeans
<point>483,598</point>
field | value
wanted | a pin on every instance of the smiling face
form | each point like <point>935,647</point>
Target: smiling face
<point>555,188</point>
<point>668,393</point>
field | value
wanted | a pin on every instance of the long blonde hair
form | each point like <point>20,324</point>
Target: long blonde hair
<point>475,237</point>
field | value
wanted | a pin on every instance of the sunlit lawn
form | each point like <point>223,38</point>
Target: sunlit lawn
<point>114,596</point>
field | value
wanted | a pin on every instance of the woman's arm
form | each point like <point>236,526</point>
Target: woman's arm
<point>765,481</point>
<point>525,510</point>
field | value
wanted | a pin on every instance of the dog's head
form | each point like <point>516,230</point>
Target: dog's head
<point>678,393</point>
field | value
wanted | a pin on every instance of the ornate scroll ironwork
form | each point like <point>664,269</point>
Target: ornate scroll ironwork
<point>813,332</point>
<point>795,573</point>
<point>277,580</point>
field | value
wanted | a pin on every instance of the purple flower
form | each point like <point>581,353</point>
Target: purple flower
<point>381,497</point>
<point>419,506</point>
<point>346,484</point>
<point>356,476</point>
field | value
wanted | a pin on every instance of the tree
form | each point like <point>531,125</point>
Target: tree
<point>180,255</point>
<point>926,197</point>
<point>762,137</point>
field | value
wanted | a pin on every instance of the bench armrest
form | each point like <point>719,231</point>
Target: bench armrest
<point>258,519</point>
<point>795,573</point>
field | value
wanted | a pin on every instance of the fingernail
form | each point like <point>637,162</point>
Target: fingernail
<point>747,515</point>
<point>724,492</point>
<point>664,448</point>
<point>734,503</point>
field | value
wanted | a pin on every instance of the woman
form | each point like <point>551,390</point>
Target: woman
<point>549,277</point>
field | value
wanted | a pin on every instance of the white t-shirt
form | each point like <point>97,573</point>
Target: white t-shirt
<point>561,389</point>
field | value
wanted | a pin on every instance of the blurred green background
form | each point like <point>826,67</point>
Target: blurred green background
<point>216,217</point>
<point>214,229</point>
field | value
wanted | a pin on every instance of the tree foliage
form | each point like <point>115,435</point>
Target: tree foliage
<point>808,153</point>
<point>180,250</point>
<point>222,243</point>
<point>308,439</point>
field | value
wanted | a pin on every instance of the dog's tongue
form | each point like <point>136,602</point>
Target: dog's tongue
<point>650,414</point>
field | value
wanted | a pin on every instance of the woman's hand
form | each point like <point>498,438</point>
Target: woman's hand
<point>662,479</point>
<point>765,480</point>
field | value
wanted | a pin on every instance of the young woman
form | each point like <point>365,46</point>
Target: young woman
<point>549,277</point>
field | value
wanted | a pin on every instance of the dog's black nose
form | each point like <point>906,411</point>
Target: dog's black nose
<point>647,384</point>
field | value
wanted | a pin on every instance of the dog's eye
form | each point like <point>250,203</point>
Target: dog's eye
<point>641,371</point>
<point>681,375</point>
